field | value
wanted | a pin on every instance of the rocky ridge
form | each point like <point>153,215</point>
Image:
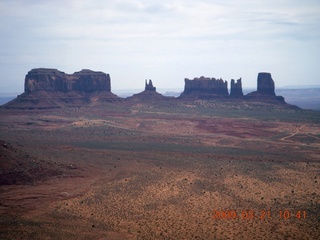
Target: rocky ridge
<point>51,88</point>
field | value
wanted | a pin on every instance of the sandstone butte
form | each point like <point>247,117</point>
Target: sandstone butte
<point>50,88</point>
<point>149,94</point>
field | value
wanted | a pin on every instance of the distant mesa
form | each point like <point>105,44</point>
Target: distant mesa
<point>210,88</point>
<point>204,88</point>
<point>265,89</point>
<point>52,80</point>
<point>149,93</point>
<point>51,88</point>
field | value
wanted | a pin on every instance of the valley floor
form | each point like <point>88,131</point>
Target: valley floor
<point>200,170</point>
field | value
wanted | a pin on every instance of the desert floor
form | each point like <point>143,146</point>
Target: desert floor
<point>200,170</point>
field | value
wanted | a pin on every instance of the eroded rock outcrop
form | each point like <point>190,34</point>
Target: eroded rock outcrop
<point>149,94</point>
<point>53,80</point>
<point>265,89</point>
<point>265,84</point>
<point>236,88</point>
<point>51,88</point>
<point>205,88</point>
<point>149,86</point>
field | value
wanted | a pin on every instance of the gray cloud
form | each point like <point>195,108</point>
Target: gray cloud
<point>165,41</point>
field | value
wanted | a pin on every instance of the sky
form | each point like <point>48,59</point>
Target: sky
<point>165,41</point>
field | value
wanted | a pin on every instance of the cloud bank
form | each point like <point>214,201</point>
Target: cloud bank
<point>165,41</point>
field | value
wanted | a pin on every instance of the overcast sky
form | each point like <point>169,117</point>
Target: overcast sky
<point>165,41</point>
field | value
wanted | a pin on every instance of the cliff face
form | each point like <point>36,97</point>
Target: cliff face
<point>265,84</point>
<point>52,80</point>
<point>205,87</point>
<point>51,88</point>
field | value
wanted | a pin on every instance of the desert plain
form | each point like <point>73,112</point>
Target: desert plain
<point>160,170</point>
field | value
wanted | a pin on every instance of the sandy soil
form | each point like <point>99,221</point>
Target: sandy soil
<point>173,172</point>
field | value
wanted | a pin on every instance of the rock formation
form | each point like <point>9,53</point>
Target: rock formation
<point>149,86</point>
<point>236,88</point>
<point>265,89</point>
<point>205,88</point>
<point>51,88</point>
<point>149,94</point>
<point>265,84</point>
<point>52,80</point>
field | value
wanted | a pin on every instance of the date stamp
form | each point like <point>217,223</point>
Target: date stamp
<point>260,215</point>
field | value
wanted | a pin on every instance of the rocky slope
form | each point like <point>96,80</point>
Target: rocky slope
<point>19,167</point>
